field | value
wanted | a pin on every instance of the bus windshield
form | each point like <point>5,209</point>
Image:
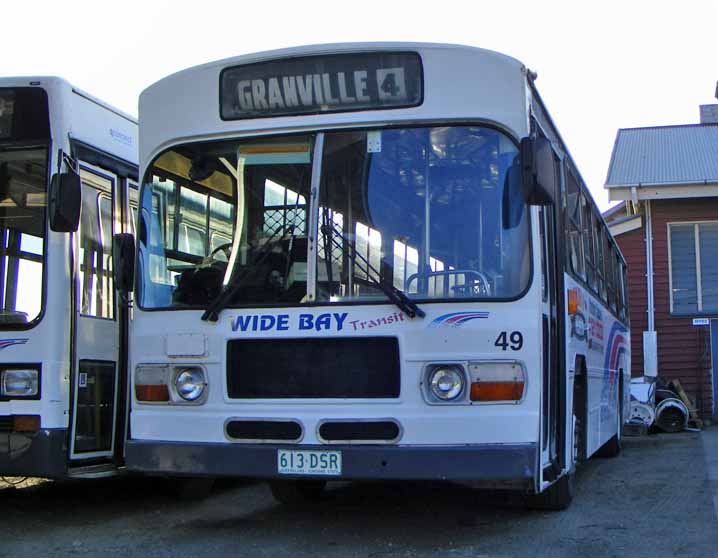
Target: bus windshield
<point>23,182</point>
<point>421,210</point>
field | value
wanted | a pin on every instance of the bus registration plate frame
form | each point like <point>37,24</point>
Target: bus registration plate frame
<point>309,462</point>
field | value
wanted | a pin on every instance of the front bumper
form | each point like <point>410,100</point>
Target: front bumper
<point>42,454</point>
<point>478,463</point>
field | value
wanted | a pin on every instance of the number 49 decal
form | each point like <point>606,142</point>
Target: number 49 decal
<point>513,341</point>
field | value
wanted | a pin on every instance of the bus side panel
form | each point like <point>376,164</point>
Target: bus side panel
<point>598,339</point>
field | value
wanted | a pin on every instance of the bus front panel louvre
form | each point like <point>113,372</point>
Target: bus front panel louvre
<point>346,368</point>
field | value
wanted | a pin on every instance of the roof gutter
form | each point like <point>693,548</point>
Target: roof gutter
<point>673,190</point>
<point>704,182</point>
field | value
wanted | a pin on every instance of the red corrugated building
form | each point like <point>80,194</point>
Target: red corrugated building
<point>667,229</point>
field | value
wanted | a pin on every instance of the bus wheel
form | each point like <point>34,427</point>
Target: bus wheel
<point>295,492</point>
<point>191,488</point>
<point>556,497</point>
<point>612,448</point>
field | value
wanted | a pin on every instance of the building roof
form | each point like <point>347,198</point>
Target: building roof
<point>664,156</point>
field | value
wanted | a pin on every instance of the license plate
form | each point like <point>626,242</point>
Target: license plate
<point>306,462</point>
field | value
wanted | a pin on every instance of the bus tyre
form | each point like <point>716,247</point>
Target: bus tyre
<point>556,497</point>
<point>296,492</point>
<point>191,488</point>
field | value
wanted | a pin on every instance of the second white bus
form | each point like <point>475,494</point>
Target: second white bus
<point>370,261</point>
<point>68,182</point>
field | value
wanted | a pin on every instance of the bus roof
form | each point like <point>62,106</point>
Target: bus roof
<point>84,117</point>
<point>337,48</point>
<point>185,105</point>
<point>55,81</point>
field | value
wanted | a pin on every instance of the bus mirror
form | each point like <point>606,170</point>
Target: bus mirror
<point>123,261</point>
<point>538,170</point>
<point>64,202</point>
<point>514,199</point>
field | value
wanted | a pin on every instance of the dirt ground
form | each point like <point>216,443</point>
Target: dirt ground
<point>652,501</point>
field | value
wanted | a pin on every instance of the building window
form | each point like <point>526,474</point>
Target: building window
<point>693,267</point>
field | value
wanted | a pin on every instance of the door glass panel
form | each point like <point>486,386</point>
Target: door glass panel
<point>95,406</point>
<point>97,286</point>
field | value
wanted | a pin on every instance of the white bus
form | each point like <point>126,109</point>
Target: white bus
<point>68,176</point>
<point>370,261</point>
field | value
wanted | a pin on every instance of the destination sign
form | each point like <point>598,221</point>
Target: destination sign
<point>24,114</point>
<point>317,84</point>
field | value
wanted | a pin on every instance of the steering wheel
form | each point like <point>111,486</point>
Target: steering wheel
<point>226,248</point>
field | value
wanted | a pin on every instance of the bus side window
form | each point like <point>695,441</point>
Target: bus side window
<point>621,288</point>
<point>133,201</point>
<point>542,237</point>
<point>610,273</point>
<point>191,232</point>
<point>221,224</point>
<point>573,224</point>
<point>283,207</point>
<point>624,291</point>
<point>600,260</point>
<point>587,236</point>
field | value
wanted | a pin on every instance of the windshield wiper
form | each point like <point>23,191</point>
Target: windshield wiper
<point>212,311</point>
<point>397,296</point>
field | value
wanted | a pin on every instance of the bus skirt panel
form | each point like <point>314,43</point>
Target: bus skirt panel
<point>40,454</point>
<point>484,462</point>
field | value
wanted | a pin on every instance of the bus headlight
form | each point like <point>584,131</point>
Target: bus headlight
<point>447,382</point>
<point>19,382</point>
<point>190,383</point>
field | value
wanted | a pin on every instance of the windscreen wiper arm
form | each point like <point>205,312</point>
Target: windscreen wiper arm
<point>397,296</point>
<point>212,311</point>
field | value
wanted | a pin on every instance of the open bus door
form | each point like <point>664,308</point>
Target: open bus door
<point>98,379</point>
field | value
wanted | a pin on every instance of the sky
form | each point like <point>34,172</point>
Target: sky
<point>601,65</point>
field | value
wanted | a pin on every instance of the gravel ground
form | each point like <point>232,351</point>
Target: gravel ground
<point>653,500</point>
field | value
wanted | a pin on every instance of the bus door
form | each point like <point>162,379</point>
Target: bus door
<point>554,384</point>
<point>549,317</point>
<point>95,381</point>
<point>126,207</point>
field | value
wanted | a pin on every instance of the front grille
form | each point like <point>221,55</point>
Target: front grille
<point>343,368</point>
<point>6,423</point>
<point>355,431</point>
<point>264,430</point>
